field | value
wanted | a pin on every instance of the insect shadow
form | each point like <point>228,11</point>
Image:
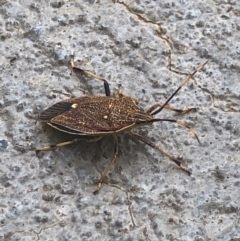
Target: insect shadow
<point>94,117</point>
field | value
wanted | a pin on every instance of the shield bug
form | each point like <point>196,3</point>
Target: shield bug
<point>93,117</point>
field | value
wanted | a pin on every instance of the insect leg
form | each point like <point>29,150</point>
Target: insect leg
<point>161,151</point>
<point>179,123</point>
<point>182,111</point>
<point>104,174</point>
<point>89,73</point>
<point>48,148</point>
<point>120,92</point>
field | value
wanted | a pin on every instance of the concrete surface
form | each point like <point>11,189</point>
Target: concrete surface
<point>149,47</point>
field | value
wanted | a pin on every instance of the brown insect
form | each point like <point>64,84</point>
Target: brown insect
<point>95,116</point>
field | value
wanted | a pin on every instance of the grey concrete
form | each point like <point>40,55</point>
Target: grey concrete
<point>146,197</point>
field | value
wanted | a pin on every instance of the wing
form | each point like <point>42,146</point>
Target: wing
<point>55,110</point>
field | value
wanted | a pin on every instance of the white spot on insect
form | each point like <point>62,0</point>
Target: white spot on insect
<point>105,117</point>
<point>74,106</point>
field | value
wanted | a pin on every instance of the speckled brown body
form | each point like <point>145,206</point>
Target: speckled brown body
<point>94,115</point>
